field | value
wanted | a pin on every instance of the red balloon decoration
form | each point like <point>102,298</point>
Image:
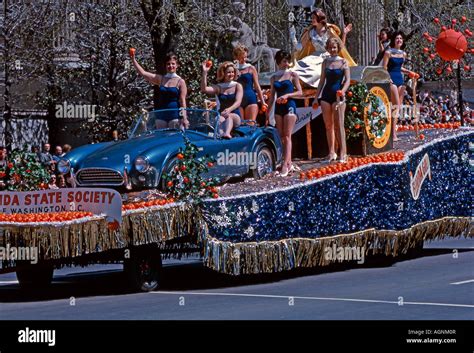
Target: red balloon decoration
<point>451,45</point>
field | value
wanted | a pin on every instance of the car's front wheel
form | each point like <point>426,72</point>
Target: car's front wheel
<point>265,163</point>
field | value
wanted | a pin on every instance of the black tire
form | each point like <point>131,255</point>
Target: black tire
<point>143,269</point>
<point>265,162</point>
<point>34,275</point>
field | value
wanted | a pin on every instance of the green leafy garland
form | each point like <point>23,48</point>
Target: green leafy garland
<point>358,99</point>
<point>185,181</point>
<point>23,173</point>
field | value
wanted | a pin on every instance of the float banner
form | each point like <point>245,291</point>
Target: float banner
<point>107,202</point>
<point>304,116</point>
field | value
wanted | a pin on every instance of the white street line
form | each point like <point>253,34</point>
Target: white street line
<point>462,282</point>
<point>16,282</point>
<point>315,298</point>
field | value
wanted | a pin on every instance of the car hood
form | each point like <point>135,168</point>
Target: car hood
<point>119,154</point>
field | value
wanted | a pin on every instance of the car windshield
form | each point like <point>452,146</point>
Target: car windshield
<point>200,120</point>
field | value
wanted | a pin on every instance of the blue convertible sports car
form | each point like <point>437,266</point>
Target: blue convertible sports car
<point>139,162</point>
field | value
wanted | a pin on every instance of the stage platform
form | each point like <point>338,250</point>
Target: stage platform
<point>389,207</point>
<point>281,223</point>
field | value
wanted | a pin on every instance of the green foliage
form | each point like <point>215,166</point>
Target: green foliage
<point>24,172</point>
<point>360,101</point>
<point>194,46</point>
<point>185,181</point>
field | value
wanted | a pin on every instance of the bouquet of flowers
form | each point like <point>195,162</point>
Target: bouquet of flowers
<point>184,181</point>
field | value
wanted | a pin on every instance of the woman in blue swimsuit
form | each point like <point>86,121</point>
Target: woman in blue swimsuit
<point>283,83</point>
<point>248,78</point>
<point>334,71</point>
<point>172,94</point>
<point>393,60</point>
<point>229,95</point>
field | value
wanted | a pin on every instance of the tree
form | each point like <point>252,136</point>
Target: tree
<point>89,65</point>
<point>24,33</point>
<point>103,35</point>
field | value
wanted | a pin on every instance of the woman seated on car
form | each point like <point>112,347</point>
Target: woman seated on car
<point>173,91</point>
<point>228,96</point>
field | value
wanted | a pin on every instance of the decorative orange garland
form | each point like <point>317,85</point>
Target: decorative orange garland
<point>143,204</point>
<point>43,217</point>
<point>429,126</point>
<point>351,164</point>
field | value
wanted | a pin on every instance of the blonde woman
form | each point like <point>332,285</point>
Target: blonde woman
<point>248,78</point>
<point>335,71</point>
<point>229,95</point>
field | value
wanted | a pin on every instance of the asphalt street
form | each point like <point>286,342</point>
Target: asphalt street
<point>436,285</point>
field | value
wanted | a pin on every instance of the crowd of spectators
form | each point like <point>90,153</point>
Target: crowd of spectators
<point>435,108</point>
<point>46,158</point>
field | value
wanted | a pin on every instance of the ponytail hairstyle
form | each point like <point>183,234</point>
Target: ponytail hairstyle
<point>320,16</point>
<point>238,50</point>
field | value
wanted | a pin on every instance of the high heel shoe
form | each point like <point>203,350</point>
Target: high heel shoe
<point>331,157</point>
<point>284,173</point>
<point>295,168</point>
<point>343,159</point>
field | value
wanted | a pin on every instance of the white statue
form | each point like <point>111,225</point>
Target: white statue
<point>241,33</point>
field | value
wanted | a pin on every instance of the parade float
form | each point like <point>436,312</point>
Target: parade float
<point>388,203</point>
<point>387,199</point>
